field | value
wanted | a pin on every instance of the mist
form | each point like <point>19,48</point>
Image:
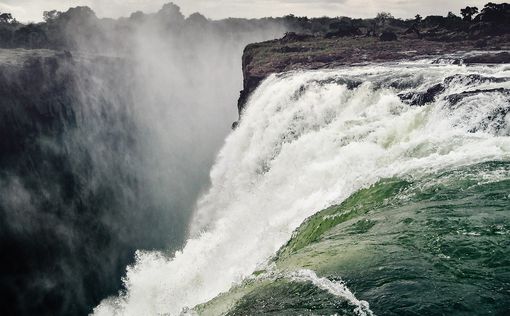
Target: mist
<point>133,114</point>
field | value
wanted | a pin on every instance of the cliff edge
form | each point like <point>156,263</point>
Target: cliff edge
<point>305,52</point>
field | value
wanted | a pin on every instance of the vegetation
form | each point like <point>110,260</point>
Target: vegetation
<point>80,28</point>
<point>468,12</point>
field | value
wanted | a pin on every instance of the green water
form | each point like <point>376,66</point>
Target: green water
<point>436,245</point>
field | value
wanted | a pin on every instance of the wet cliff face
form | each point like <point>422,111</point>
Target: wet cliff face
<point>74,203</point>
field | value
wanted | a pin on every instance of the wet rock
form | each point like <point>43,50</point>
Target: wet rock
<point>448,60</point>
<point>422,98</point>
<point>250,84</point>
<point>454,99</point>
<point>496,122</point>
<point>474,78</point>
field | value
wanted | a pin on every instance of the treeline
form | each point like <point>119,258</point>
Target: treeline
<point>492,19</point>
<point>80,28</point>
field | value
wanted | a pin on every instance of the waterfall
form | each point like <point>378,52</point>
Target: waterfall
<point>307,140</point>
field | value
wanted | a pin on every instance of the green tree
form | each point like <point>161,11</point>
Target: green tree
<point>493,12</point>
<point>382,18</point>
<point>6,18</point>
<point>468,12</point>
<point>380,21</point>
<point>49,16</point>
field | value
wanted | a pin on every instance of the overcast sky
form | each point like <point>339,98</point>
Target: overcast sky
<point>31,10</point>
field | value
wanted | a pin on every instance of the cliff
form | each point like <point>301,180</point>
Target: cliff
<point>302,52</point>
<point>73,204</point>
<point>60,252</point>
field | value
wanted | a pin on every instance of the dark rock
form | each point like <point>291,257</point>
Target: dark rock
<point>498,58</point>
<point>448,60</point>
<point>496,122</point>
<point>250,84</point>
<point>422,98</point>
<point>454,99</point>
<point>388,37</point>
<point>475,78</point>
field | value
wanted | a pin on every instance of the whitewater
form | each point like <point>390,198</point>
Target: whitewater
<point>308,140</point>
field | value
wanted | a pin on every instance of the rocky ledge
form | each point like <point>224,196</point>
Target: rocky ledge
<point>297,51</point>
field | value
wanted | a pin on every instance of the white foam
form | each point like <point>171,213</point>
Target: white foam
<point>304,144</point>
<point>337,288</point>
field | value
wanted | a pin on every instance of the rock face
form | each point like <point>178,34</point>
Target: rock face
<point>47,170</point>
<point>34,96</point>
<point>72,205</point>
<point>293,52</point>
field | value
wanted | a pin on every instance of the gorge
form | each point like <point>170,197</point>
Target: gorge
<point>365,174</point>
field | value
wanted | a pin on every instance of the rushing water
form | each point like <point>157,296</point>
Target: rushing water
<point>419,155</point>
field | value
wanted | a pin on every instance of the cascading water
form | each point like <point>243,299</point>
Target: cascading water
<point>308,140</point>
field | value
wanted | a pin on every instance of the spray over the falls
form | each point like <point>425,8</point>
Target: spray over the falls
<point>308,140</point>
<point>99,144</point>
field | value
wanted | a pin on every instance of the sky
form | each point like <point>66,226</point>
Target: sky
<point>32,10</point>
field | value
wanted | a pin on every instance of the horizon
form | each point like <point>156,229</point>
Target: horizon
<point>27,11</point>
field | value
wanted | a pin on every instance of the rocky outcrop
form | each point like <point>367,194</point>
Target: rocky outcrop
<point>431,94</point>
<point>317,52</point>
